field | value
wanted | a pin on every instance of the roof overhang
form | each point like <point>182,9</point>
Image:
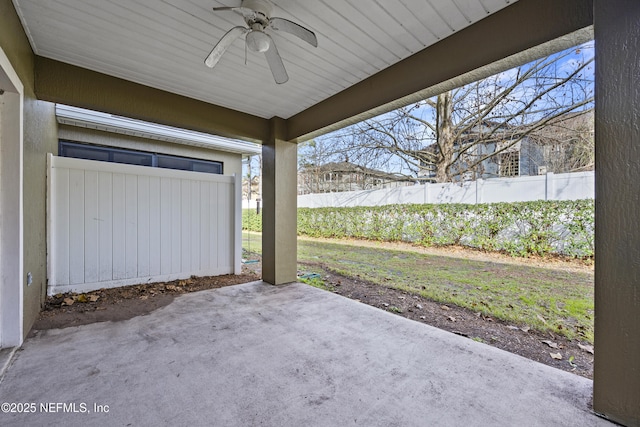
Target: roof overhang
<point>81,117</point>
<point>503,38</point>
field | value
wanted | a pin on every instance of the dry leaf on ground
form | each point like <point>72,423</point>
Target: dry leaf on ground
<point>587,348</point>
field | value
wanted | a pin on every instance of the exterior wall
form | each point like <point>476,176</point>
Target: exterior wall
<point>569,186</point>
<point>232,162</point>
<point>40,138</point>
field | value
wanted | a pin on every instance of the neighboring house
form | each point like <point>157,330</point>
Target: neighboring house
<point>345,176</point>
<point>559,148</point>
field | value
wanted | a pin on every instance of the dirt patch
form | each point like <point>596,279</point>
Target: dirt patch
<point>124,303</point>
<point>115,304</point>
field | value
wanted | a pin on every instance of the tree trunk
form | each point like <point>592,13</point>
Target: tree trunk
<point>445,136</point>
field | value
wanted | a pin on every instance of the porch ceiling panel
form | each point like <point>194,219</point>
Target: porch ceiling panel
<point>162,44</point>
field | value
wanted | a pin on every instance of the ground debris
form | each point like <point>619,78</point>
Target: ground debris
<point>587,348</point>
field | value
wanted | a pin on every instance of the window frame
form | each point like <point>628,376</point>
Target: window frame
<point>65,145</point>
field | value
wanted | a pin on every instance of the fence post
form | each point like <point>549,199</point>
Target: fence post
<point>51,231</point>
<point>549,187</point>
<point>237,237</point>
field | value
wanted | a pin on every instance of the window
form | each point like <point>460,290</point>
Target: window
<point>140,158</point>
<point>510,164</point>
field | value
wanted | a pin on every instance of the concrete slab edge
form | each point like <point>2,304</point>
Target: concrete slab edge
<point>6,357</point>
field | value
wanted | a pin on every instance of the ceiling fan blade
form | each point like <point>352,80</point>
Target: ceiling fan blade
<point>244,11</point>
<point>222,46</point>
<point>275,63</point>
<point>297,30</point>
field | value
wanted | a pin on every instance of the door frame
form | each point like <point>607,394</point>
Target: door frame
<point>11,206</point>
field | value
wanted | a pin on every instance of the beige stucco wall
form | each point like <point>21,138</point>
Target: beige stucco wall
<point>232,162</point>
<point>40,137</point>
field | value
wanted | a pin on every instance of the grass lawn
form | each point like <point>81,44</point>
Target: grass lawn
<point>541,298</point>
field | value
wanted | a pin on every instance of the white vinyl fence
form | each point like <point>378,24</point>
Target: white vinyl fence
<point>111,224</point>
<point>568,186</point>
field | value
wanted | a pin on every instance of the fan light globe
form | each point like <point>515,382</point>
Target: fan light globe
<point>258,41</point>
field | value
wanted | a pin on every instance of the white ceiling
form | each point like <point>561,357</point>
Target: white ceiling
<point>163,43</point>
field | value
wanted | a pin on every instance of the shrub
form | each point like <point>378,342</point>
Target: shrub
<point>520,229</point>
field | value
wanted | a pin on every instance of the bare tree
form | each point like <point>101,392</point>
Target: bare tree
<point>251,178</point>
<point>452,136</point>
<point>569,144</point>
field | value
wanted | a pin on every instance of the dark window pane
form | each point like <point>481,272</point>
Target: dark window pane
<point>139,159</point>
<point>87,153</point>
<point>207,167</point>
<point>174,163</point>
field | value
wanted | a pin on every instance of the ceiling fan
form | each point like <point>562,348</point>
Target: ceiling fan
<point>257,15</point>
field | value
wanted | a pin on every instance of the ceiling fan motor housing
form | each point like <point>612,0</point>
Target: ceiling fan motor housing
<point>263,9</point>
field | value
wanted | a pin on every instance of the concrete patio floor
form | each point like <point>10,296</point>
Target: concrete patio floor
<point>293,355</point>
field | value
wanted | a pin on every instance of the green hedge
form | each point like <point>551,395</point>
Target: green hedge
<point>520,229</point>
<point>251,221</point>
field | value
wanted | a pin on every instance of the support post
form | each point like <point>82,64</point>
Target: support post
<point>617,236</point>
<point>237,231</point>
<point>279,215</point>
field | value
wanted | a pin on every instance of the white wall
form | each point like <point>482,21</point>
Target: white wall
<point>112,224</point>
<point>569,186</point>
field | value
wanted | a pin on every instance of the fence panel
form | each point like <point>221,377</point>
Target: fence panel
<point>112,225</point>
<point>569,186</point>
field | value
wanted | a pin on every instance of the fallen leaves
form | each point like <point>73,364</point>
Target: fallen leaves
<point>556,356</point>
<point>444,307</point>
<point>550,344</point>
<point>81,298</point>
<point>587,348</point>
